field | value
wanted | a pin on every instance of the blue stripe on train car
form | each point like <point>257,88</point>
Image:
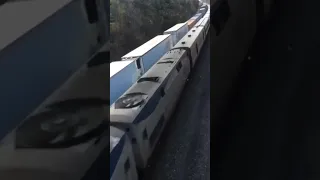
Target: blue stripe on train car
<point>115,155</point>
<point>151,105</point>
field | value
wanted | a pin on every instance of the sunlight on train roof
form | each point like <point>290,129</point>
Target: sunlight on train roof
<point>117,66</point>
<point>19,17</point>
<point>146,46</point>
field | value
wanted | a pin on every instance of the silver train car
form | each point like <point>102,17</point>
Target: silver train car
<point>143,111</point>
<point>122,163</point>
<point>192,43</point>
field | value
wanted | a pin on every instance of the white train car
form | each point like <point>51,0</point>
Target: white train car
<point>146,107</point>
<point>123,74</point>
<point>177,32</point>
<point>178,83</point>
<point>122,163</point>
<point>192,42</point>
<point>150,52</point>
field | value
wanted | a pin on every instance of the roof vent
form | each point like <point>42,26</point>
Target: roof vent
<point>129,101</point>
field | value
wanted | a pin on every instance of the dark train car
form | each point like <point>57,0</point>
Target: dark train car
<point>54,99</point>
<point>234,24</point>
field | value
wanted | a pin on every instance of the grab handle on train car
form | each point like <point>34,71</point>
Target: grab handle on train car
<point>151,79</point>
<point>166,62</point>
<point>92,12</point>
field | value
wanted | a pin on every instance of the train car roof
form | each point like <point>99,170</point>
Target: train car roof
<point>144,48</point>
<point>19,17</point>
<point>117,66</point>
<point>191,21</point>
<point>175,27</point>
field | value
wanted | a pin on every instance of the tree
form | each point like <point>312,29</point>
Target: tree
<point>134,22</point>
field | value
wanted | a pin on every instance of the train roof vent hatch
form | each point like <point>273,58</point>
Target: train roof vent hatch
<point>130,100</point>
<point>165,62</point>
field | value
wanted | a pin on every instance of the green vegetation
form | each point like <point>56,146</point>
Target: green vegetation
<point>134,22</point>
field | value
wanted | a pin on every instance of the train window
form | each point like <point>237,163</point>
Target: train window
<point>162,92</point>
<point>145,134</point>
<point>127,166</point>
<point>92,12</point>
<point>134,141</point>
<point>138,63</point>
<point>156,131</point>
<point>179,65</point>
<point>197,48</point>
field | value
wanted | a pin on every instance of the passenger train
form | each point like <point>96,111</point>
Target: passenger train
<point>123,73</point>
<point>66,136</point>
<point>142,112</point>
<point>55,105</point>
